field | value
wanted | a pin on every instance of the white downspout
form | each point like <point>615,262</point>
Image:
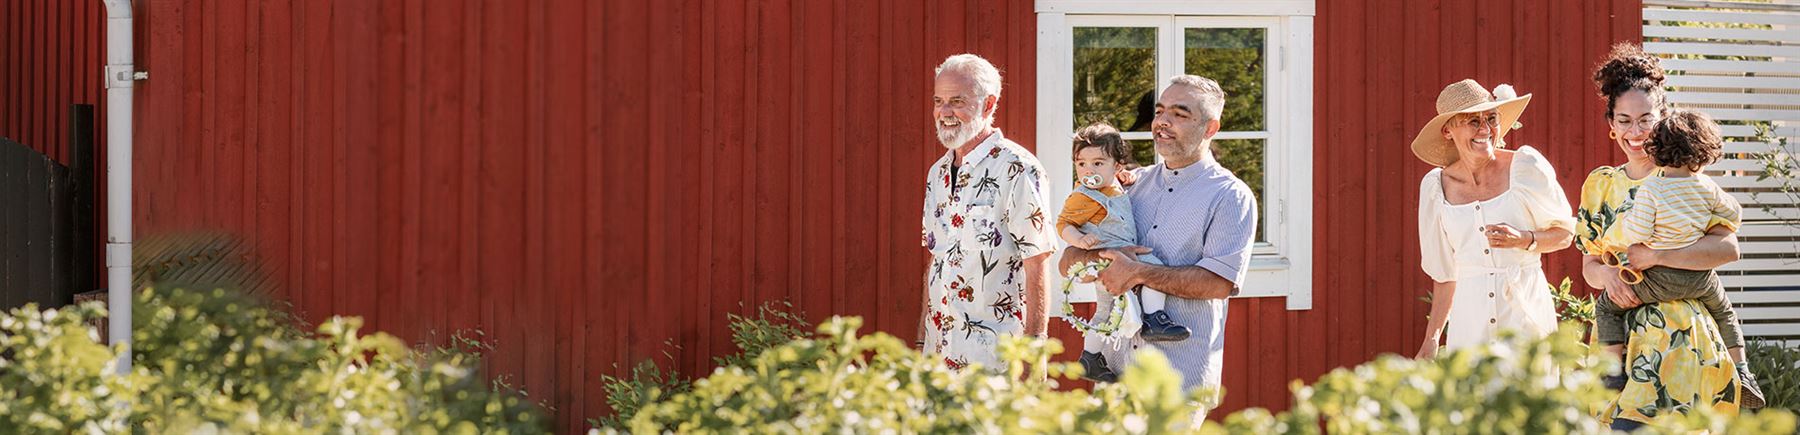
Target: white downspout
<point>119,76</point>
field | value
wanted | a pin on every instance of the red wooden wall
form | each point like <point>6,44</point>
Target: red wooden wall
<point>597,183</point>
<point>50,57</point>
<point>583,181</point>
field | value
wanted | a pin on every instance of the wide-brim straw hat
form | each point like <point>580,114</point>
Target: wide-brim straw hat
<point>1466,96</point>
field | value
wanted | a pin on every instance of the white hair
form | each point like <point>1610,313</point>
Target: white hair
<point>1212,98</point>
<point>986,77</point>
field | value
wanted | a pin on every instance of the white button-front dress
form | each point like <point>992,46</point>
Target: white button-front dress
<point>1495,288</point>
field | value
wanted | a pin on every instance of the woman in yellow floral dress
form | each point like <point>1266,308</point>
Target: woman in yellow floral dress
<point>1675,360</point>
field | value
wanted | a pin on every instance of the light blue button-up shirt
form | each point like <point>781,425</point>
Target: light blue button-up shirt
<point>1200,215</point>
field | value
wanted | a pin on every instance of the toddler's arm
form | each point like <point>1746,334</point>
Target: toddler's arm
<point>1724,207</point>
<point>1077,210</point>
<point>1079,239</point>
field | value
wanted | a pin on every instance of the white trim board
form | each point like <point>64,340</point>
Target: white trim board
<point>1178,7</point>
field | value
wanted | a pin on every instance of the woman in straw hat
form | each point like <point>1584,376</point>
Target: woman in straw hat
<point>1485,216</point>
<point>1676,356</point>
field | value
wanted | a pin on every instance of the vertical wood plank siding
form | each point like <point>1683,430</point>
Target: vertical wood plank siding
<point>593,184</point>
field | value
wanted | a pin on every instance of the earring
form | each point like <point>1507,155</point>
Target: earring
<point>1614,134</point>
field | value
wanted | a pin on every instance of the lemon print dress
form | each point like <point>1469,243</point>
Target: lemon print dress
<point>1675,359</point>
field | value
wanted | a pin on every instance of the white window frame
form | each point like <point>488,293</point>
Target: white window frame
<point>1283,266</point>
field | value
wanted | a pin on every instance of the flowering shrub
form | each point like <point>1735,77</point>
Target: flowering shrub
<point>220,362</point>
<point>841,381</point>
<point>844,382</point>
<point>773,325</point>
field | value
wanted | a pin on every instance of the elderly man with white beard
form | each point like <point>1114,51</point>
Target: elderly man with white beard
<point>984,223</point>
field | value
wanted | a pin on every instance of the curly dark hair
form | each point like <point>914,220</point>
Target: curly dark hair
<point>1628,68</point>
<point>1685,139</point>
<point>1107,138</point>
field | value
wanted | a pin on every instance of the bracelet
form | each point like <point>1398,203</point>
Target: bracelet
<point>1533,245</point>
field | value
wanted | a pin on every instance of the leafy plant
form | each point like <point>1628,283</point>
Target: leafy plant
<point>218,361</point>
<point>1777,164</point>
<point>773,325</point>
<point>645,385</point>
<point>876,383</point>
<point>1775,364</point>
<point>1571,308</point>
<point>1513,385</point>
<point>841,381</point>
<point>50,374</point>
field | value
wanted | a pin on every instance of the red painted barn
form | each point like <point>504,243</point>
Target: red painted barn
<point>597,183</point>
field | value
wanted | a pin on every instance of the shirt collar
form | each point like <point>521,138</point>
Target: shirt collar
<point>1201,167</point>
<point>981,150</point>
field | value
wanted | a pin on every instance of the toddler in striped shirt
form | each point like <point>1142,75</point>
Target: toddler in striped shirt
<point>1672,210</point>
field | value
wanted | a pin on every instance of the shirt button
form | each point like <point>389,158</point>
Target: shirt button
<point>1478,207</point>
<point>1490,294</point>
<point>1153,227</point>
<point>1493,321</point>
<point>1177,172</point>
<point>1484,251</point>
<point>1171,189</point>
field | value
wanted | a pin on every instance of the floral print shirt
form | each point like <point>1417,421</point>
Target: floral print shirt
<point>980,225</point>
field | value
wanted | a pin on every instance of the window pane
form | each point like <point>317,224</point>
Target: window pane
<point>1234,58</point>
<point>1245,158</point>
<point>1143,153</point>
<point>1115,76</point>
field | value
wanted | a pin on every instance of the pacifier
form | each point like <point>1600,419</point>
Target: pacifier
<point>1091,181</point>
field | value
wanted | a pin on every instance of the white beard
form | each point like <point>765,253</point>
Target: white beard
<point>953,137</point>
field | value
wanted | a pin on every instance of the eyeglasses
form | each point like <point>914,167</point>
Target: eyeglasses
<point>1490,119</point>
<point>1642,124</point>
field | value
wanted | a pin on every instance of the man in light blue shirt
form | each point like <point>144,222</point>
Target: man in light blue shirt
<point>1199,219</point>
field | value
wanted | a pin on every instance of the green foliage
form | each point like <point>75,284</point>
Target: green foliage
<point>774,324</point>
<point>50,375</point>
<point>843,382</point>
<point>1775,363</point>
<point>1234,58</point>
<point>645,385</point>
<point>1777,164</point>
<point>840,381</point>
<point>1571,308</point>
<point>1513,385</point>
<point>218,361</point>
<point>1114,70</point>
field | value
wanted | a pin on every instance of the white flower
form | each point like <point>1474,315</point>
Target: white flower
<point>1136,424</point>
<point>1505,92</point>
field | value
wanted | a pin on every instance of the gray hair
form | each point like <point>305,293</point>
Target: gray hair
<point>1212,98</point>
<point>987,78</point>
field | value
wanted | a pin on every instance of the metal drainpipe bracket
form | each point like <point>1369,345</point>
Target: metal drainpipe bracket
<point>121,76</point>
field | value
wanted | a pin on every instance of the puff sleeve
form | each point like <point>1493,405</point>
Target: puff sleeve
<point>1435,255</point>
<point>1544,198</point>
